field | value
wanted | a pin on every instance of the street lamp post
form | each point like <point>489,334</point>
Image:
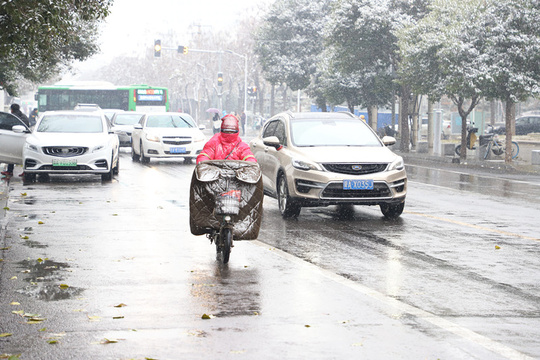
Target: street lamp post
<point>245,76</point>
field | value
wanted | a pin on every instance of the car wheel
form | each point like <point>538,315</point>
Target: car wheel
<point>44,178</point>
<point>29,178</point>
<point>188,161</point>
<point>134,155</point>
<point>109,175</point>
<point>287,207</point>
<point>117,167</point>
<point>345,211</point>
<point>144,159</point>
<point>392,211</point>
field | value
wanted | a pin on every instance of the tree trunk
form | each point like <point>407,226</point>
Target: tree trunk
<point>272,100</point>
<point>510,116</point>
<point>404,119</point>
<point>372,117</point>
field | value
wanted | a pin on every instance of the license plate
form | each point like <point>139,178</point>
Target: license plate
<point>358,184</point>
<point>64,162</point>
<point>177,150</point>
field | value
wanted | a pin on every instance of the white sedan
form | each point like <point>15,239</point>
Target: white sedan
<point>166,135</point>
<point>71,142</point>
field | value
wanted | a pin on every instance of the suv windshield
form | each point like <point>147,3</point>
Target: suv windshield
<point>71,124</point>
<point>332,132</point>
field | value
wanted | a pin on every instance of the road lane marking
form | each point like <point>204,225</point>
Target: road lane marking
<point>483,228</point>
<point>477,175</point>
<point>442,323</point>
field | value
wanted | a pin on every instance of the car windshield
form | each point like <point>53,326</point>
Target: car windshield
<point>73,123</point>
<point>170,121</point>
<point>127,119</point>
<point>331,132</point>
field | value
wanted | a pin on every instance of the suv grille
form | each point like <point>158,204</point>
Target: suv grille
<point>176,140</point>
<point>335,190</point>
<point>354,168</point>
<point>64,151</point>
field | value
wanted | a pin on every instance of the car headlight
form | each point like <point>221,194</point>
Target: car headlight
<point>151,137</point>
<point>31,147</point>
<point>98,148</point>
<point>305,165</point>
<point>397,164</point>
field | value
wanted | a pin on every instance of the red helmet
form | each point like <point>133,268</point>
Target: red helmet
<point>229,124</point>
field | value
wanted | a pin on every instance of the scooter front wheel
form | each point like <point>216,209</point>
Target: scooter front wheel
<point>226,243</point>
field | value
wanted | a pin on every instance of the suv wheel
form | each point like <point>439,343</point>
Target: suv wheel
<point>392,211</point>
<point>287,207</point>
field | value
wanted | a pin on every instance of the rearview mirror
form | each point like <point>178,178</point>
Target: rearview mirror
<point>388,140</point>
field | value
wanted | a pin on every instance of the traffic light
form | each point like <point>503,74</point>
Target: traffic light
<point>157,48</point>
<point>185,50</point>
<point>220,79</point>
<point>182,49</point>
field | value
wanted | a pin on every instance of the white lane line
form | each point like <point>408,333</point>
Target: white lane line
<point>458,330</point>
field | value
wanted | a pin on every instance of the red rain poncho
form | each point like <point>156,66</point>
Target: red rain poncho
<point>222,144</point>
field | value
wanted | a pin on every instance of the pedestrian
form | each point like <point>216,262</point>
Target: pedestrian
<point>16,110</point>
<point>32,119</point>
<point>243,123</point>
<point>227,145</point>
<point>216,123</point>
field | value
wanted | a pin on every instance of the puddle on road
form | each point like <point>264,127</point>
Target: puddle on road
<point>227,292</point>
<point>45,278</point>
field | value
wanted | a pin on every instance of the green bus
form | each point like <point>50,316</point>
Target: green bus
<point>141,98</point>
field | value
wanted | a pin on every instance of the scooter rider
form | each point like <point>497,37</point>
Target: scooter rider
<point>227,144</point>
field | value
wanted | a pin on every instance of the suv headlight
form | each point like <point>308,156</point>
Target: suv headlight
<point>397,164</point>
<point>98,148</point>
<point>305,165</point>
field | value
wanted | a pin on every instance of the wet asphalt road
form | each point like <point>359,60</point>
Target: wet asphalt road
<point>111,271</point>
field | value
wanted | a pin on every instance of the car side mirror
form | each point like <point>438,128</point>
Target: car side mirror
<point>202,127</point>
<point>137,126</point>
<point>20,129</point>
<point>388,140</point>
<point>272,141</point>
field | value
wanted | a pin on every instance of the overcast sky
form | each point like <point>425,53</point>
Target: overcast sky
<point>133,24</point>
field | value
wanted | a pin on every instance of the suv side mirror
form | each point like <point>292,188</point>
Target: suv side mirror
<point>272,141</point>
<point>388,140</point>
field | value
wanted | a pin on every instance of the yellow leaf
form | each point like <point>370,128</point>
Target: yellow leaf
<point>39,260</point>
<point>117,317</point>
<point>14,303</point>
<point>109,341</point>
<point>94,318</point>
<point>497,247</point>
<point>114,214</point>
<point>5,334</point>
<point>207,317</point>
<point>43,329</point>
<point>13,278</point>
<point>307,326</point>
<point>120,305</point>
<point>23,194</point>
<point>64,286</point>
<point>25,237</point>
<point>52,341</point>
<point>41,222</point>
<point>5,248</point>
<point>6,208</point>
<point>18,312</point>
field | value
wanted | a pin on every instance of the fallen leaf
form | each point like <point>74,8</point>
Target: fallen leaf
<point>15,303</point>
<point>43,329</point>
<point>5,334</point>
<point>25,237</point>
<point>497,247</point>
<point>13,278</point>
<point>64,286</point>
<point>54,341</point>
<point>307,326</point>
<point>41,222</point>
<point>23,194</point>
<point>114,214</point>
<point>5,248</point>
<point>94,318</point>
<point>120,305</point>
<point>109,341</point>
<point>18,312</point>
<point>207,317</point>
<point>117,317</point>
<point>6,208</point>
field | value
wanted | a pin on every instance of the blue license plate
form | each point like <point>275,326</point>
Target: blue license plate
<point>177,150</point>
<point>357,184</point>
